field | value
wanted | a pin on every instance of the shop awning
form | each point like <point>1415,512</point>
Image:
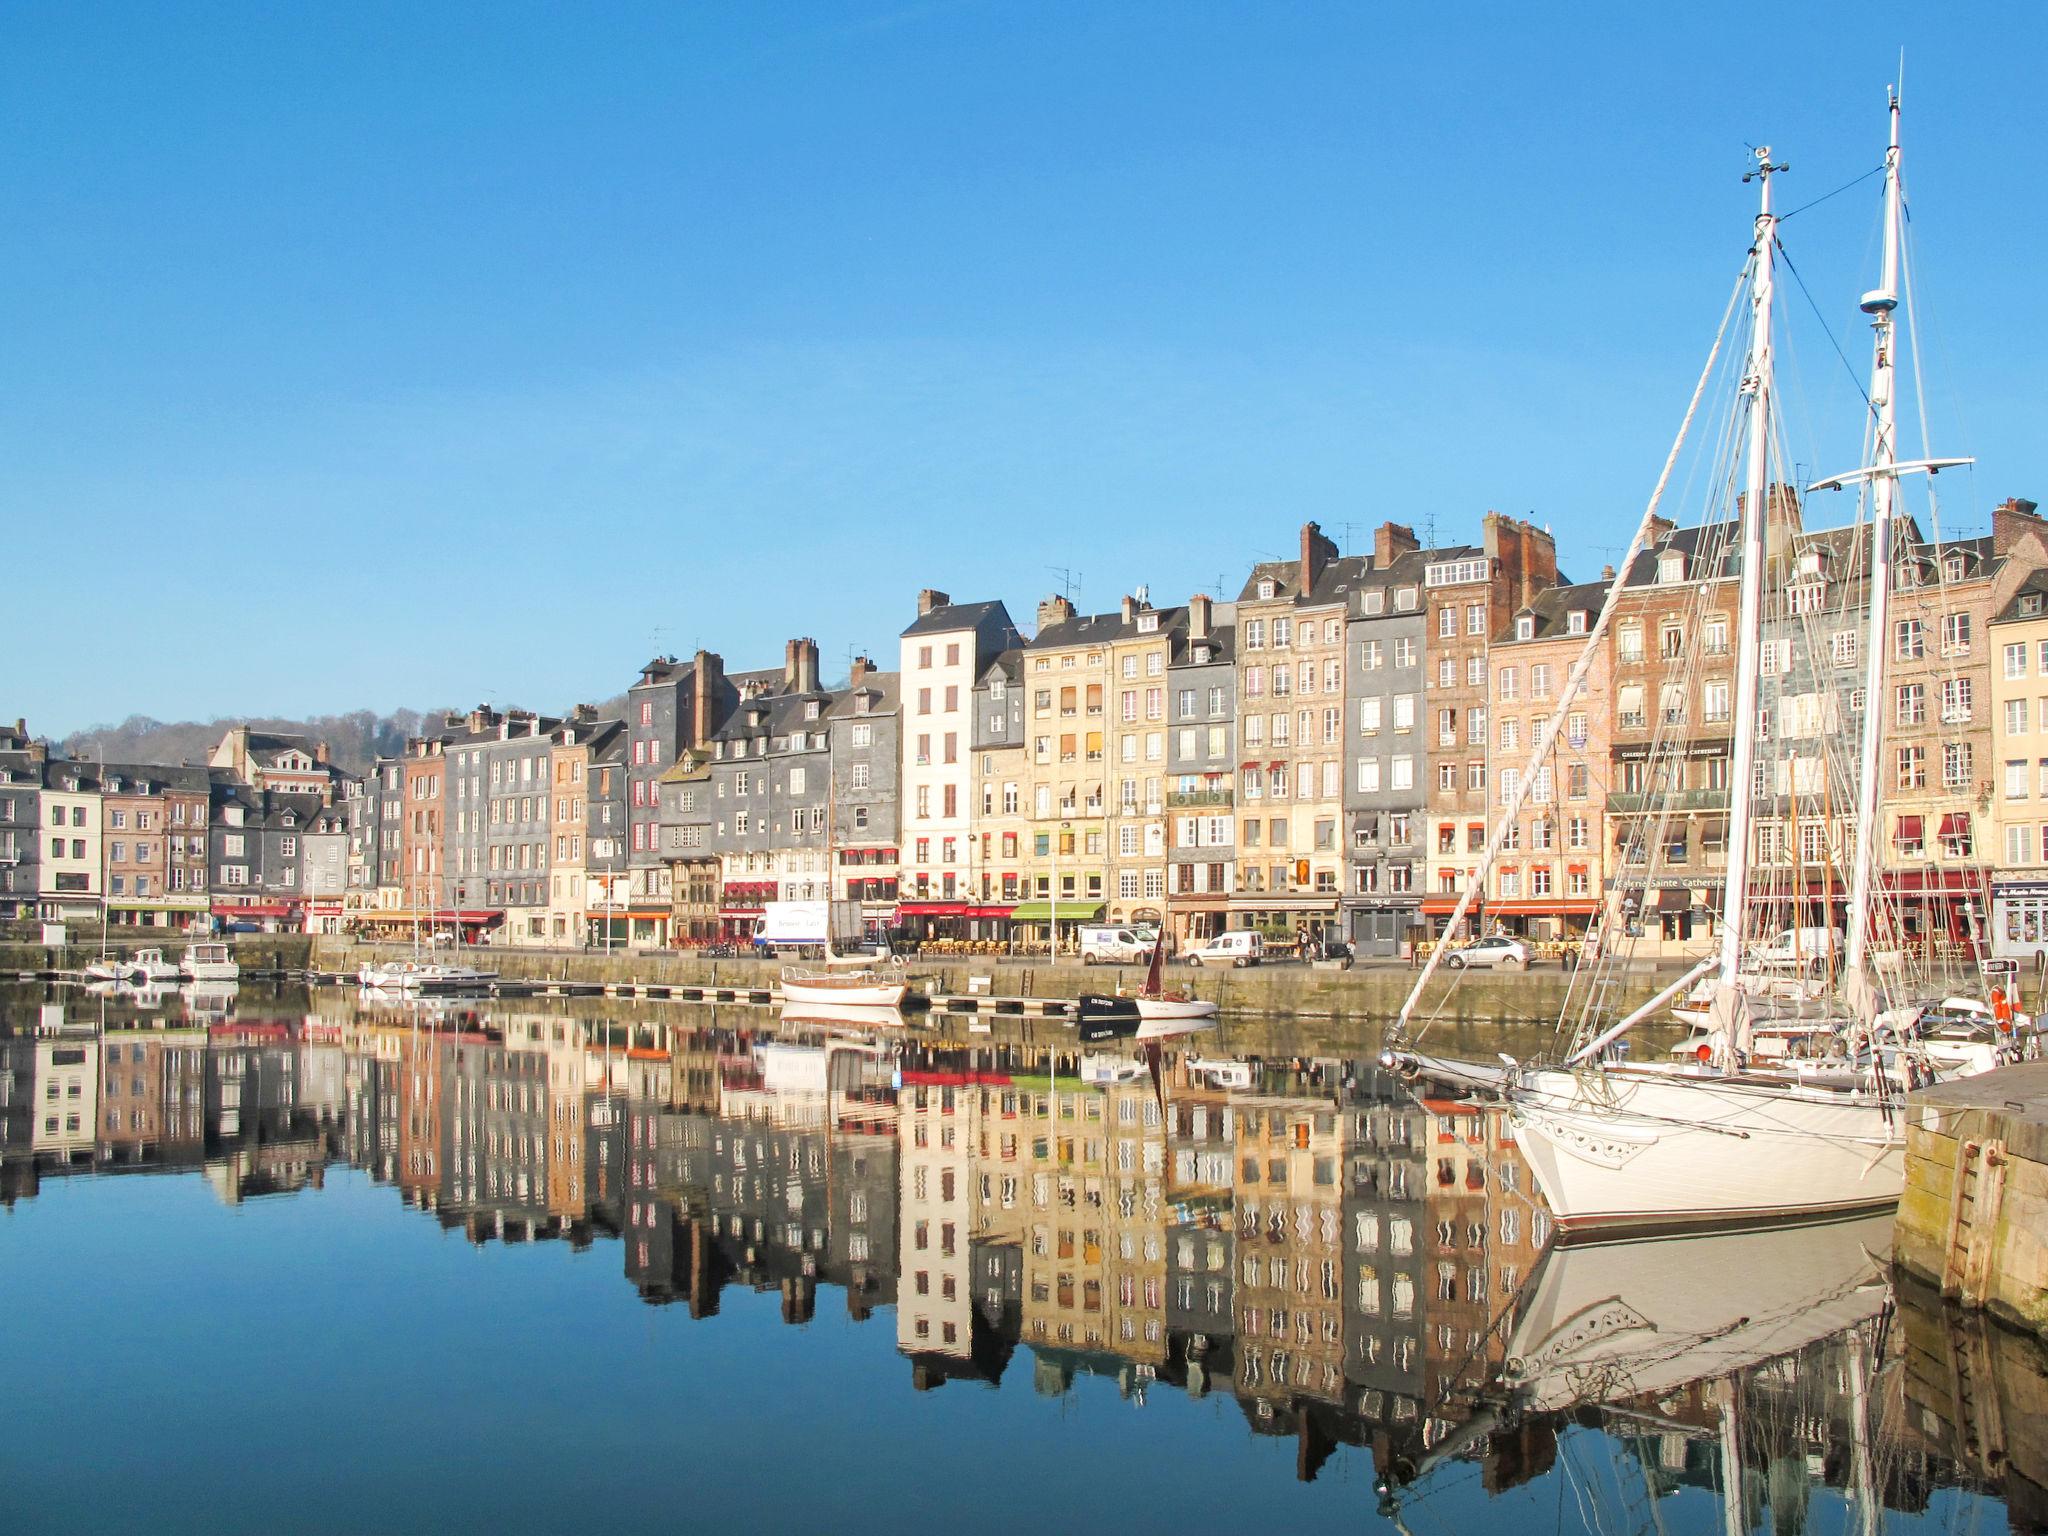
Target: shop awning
<point>951,909</point>
<point>1577,907</point>
<point>1955,882</point>
<point>1910,831</point>
<point>253,909</point>
<point>1070,911</point>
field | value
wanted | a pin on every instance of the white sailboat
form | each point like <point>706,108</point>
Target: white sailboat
<point>1618,1144</point>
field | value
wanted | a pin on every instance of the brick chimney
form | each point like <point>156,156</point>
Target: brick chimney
<point>1200,615</point>
<point>858,674</point>
<point>706,697</point>
<point>1054,610</point>
<point>929,599</point>
<point>1390,541</point>
<point>800,666</point>
<point>1316,554</point>
<point>320,753</point>
<point>583,714</point>
<point>2011,520</point>
<point>1130,607</point>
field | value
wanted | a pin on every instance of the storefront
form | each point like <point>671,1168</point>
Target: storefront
<point>1943,912</point>
<point>396,924</point>
<point>1031,922</point>
<point>967,920</point>
<point>257,916</point>
<point>1381,927</point>
<point>740,905</point>
<point>1282,918</point>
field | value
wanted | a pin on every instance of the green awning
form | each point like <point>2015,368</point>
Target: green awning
<point>1070,912</point>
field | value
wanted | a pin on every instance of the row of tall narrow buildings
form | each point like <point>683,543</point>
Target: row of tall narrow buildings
<point>1329,750</point>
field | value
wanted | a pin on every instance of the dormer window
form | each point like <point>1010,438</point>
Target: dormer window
<point>1267,587</point>
<point>1809,563</point>
<point>1525,628</point>
<point>1575,622</point>
<point>1201,655</point>
<point>1405,599</point>
<point>1671,566</point>
<point>810,709</point>
<point>1374,601</point>
<point>2030,603</point>
<point>1148,623</point>
<point>1952,568</point>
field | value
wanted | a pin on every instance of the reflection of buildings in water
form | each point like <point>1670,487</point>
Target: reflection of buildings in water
<point>1383,1223</point>
<point>66,1096</point>
<point>1201,1231</point>
<point>936,1128</point>
<point>1286,1240</point>
<point>1484,1228</point>
<point>1290,1302</point>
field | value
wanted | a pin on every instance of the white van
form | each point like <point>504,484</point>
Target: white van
<point>1812,949</point>
<point>1113,946</point>
<point>1240,947</point>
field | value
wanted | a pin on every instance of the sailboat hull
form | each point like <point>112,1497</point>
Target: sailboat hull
<point>856,989</point>
<point>1619,1150</point>
<point>1167,1008</point>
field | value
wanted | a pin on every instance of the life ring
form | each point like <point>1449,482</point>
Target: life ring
<point>1704,1054</point>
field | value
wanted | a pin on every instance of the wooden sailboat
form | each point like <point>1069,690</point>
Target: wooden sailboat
<point>1160,1004</point>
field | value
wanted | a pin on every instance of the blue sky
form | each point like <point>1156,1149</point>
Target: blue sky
<point>368,355</point>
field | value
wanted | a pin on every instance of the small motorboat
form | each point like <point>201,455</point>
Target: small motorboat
<point>210,962</point>
<point>147,967</point>
<point>415,978</point>
<point>105,971</point>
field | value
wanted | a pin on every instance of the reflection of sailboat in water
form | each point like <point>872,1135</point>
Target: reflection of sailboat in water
<point>1638,1319</point>
<point>1638,1329</point>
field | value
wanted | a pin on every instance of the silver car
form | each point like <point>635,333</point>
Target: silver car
<point>1497,952</point>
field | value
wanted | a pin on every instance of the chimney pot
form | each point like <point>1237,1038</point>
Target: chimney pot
<point>1316,554</point>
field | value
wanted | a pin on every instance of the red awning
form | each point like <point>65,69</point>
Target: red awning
<point>1579,906</point>
<point>1954,823</point>
<point>254,909</point>
<point>1911,830</point>
<point>949,909</point>
<point>1954,882</point>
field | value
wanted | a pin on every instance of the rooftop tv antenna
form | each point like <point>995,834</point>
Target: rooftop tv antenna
<point>1070,580</point>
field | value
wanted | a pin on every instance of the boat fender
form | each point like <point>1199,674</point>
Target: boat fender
<point>1704,1054</point>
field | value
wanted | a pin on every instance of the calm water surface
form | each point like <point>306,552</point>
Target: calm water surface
<point>281,1265</point>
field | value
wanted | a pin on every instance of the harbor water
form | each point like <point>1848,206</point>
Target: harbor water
<point>280,1262</point>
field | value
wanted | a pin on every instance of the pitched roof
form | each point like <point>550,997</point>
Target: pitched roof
<point>952,616</point>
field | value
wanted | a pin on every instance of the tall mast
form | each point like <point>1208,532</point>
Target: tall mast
<point>1879,304</point>
<point>1755,517</point>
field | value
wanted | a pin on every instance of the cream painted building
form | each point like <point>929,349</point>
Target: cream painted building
<point>943,654</point>
<point>72,864</point>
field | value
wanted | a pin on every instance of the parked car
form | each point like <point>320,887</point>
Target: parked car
<point>1240,947</point>
<point>1496,952</point>
<point>1113,946</point>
